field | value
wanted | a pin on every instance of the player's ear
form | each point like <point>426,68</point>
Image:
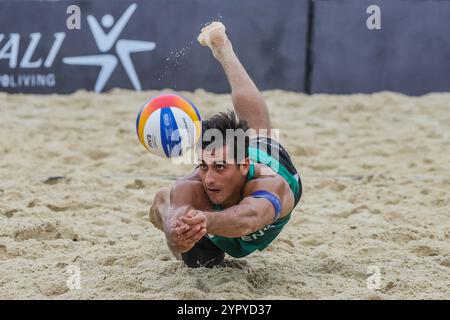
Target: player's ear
<point>245,166</point>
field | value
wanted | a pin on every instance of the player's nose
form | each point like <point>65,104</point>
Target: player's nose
<point>210,178</point>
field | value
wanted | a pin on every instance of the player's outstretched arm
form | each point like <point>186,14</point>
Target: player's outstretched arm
<point>248,101</point>
<point>250,215</point>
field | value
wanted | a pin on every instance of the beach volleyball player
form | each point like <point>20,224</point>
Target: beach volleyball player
<point>234,202</point>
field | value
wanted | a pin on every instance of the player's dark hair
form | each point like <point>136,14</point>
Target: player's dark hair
<point>222,122</point>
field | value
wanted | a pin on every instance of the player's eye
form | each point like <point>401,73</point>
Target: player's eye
<point>202,166</point>
<point>220,167</point>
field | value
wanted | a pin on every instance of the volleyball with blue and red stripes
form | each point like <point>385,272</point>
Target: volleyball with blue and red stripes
<point>168,125</point>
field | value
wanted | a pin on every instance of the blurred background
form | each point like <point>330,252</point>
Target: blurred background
<point>311,46</point>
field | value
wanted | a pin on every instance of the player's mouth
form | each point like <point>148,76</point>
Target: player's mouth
<point>213,190</point>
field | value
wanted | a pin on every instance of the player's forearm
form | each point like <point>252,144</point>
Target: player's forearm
<point>233,222</point>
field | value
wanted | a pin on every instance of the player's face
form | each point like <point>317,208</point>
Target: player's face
<point>222,178</point>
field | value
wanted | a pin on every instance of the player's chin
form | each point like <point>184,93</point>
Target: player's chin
<point>216,197</point>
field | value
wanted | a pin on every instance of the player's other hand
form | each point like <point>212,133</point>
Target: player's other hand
<point>194,218</point>
<point>184,236</point>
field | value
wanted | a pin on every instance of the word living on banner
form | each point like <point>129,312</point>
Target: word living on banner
<point>27,80</point>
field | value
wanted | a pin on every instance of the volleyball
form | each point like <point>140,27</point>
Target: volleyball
<point>168,125</point>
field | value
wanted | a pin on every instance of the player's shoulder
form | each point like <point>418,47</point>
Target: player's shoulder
<point>266,179</point>
<point>188,189</point>
<point>190,183</point>
<point>273,183</point>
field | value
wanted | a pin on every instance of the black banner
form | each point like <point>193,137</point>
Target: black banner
<point>409,53</point>
<point>146,45</point>
<point>321,46</point>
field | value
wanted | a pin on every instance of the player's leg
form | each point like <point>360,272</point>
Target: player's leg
<point>203,254</point>
<point>248,101</point>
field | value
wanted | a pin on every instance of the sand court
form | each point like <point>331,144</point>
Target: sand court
<point>76,187</point>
